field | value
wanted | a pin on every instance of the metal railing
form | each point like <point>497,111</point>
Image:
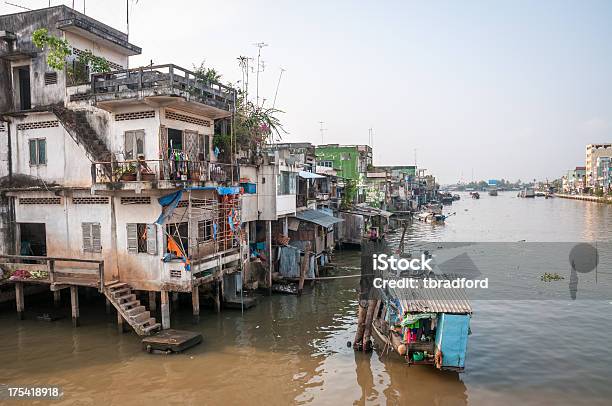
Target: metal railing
<point>143,170</point>
<point>54,274</point>
<point>164,79</point>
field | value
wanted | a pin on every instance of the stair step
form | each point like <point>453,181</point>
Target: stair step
<point>126,298</point>
<point>135,311</point>
<point>140,317</point>
<point>147,322</point>
<point>151,328</point>
<point>121,291</point>
<point>116,285</point>
<point>111,283</point>
<point>128,305</point>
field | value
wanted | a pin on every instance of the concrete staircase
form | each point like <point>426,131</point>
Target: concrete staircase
<point>121,296</point>
<point>76,124</point>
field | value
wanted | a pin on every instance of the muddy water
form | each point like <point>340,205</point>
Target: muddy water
<point>290,350</point>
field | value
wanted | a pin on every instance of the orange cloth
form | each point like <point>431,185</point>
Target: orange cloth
<point>174,248</point>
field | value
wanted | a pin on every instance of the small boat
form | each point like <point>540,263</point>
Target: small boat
<point>527,192</point>
<point>456,197</point>
<point>447,199</point>
<point>424,326</point>
<point>493,191</point>
<point>475,195</point>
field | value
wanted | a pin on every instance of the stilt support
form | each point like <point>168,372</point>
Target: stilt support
<point>57,298</point>
<point>19,299</point>
<point>195,300</point>
<point>165,310</point>
<point>152,301</point>
<point>74,303</point>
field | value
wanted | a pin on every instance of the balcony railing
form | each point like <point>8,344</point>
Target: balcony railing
<point>152,170</point>
<point>162,80</point>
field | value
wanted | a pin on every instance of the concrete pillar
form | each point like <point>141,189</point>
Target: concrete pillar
<point>57,298</point>
<point>152,301</point>
<point>19,299</point>
<point>217,296</point>
<point>165,310</point>
<point>74,303</point>
<point>195,301</point>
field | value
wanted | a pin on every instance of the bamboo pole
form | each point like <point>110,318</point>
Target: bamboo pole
<point>19,299</point>
<point>74,304</point>
<point>165,310</point>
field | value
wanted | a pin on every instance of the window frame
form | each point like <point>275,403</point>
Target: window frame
<point>37,142</point>
<point>134,231</point>
<point>134,146</point>
<point>89,231</point>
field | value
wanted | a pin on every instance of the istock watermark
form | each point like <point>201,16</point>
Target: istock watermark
<point>384,262</point>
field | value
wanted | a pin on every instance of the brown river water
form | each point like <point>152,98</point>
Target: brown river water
<point>290,350</point>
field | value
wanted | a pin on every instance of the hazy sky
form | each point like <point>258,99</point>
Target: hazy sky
<point>506,89</point>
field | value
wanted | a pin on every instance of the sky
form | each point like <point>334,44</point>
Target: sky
<point>471,89</point>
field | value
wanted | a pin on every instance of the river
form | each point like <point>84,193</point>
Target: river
<point>290,350</point>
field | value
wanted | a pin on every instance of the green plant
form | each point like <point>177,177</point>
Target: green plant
<point>350,193</point>
<point>58,48</point>
<point>206,75</point>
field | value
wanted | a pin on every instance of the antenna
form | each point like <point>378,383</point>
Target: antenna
<point>370,137</point>
<point>17,5</point>
<point>415,157</point>
<point>259,45</point>
<point>278,85</point>
<point>322,130</point>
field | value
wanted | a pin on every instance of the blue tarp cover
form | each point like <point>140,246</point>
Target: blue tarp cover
<point>170,201</point>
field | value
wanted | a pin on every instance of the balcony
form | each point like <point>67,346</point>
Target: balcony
<point>162,85</point>
<point>160,174</point>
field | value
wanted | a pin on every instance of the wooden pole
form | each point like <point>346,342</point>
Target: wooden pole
<point>304,268</point>
<point>57,298</point>
<point>270,259</point>
<point>74,302</point>
<point>165,310</point>
<point>108,306</point>
<point>217,296</point>
<point>361,317</point>
<point>120,323</point>
<point>19,299</point>
<point>152,301</point>
<point>195,300</point>
<point>367,344</point>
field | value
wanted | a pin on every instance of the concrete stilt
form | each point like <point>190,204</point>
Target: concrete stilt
<point>152,301</point>
<point>74,303</point>
<point>165,310</point>
<point>57,298</point>
<point>217,296</point>
<point>19,299</point>
<point>195,300</point>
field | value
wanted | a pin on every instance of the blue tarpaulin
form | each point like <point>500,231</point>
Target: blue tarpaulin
<point>170,201</point>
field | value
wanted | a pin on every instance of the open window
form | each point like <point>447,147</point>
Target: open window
<point>32,239</point>
<point>142,238</point>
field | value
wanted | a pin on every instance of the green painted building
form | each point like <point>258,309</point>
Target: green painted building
<point>350,161</point>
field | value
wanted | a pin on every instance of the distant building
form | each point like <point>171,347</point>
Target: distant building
<point>604,173</point>
<point>574,180</point>
<point>594,151</point>
<point>351,163</point>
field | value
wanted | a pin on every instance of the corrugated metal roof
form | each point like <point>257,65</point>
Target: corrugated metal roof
<point>433,300</point>
<point>318,217</point>
<point>310,175</point>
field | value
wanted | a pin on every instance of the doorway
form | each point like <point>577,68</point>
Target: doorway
<point>32,239</point>
<point>23,77</point>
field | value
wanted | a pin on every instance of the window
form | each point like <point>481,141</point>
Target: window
<point>327,164</point>
<point>92,241</point>
<point>142,238</point>
<point>38,151</point>
<point>205,230</point>
<point>134,144</point>
<point>286,183</point>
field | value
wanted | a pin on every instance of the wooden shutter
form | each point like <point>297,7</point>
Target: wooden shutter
<point>132,238</point>
<point>152,239</point>
<point>163,142</point>
<point>87,241</point>
<point>129,145</point>
<point>96,237</point>
<point>190,144</point>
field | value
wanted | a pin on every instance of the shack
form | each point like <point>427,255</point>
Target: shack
<point>361,220</point>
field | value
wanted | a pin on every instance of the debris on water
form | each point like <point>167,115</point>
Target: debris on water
<point>549,277</point>
<point>348,344</point>
<point>256,326</point>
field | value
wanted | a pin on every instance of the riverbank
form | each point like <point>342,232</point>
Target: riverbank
<point>603,199</point>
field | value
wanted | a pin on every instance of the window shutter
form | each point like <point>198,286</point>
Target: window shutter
<point>129,145</point>
<point>33,160</point>
<point>152,239</point>
<point>132,238</point>
<point>140,139</point>
<point>96,238</point>
<point>87,244</point>
<point>42,151</point>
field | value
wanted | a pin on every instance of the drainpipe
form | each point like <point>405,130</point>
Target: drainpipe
<point>9,149</point>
